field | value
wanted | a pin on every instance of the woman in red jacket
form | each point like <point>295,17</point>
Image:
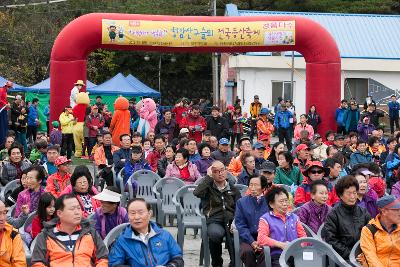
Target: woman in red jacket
<point>44,213</point>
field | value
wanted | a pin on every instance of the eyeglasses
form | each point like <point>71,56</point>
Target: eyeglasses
<point>316,171</point>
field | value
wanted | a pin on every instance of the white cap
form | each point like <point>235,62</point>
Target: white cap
<point>184,130</point>
<point>109,196</point>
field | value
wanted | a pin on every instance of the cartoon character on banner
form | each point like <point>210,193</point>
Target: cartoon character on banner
<point>79,112</point>
<point>120,122</point>
<point>147,117</point>
<point>112,33</point>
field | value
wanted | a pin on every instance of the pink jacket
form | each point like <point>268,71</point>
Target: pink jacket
<point>300,128</point>
<point>173,171</point>
<point>95,203</point>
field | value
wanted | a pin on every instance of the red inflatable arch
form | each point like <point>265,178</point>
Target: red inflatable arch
<point>86,33</point>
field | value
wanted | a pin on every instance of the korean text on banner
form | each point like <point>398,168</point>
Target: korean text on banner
<point>197,34</point>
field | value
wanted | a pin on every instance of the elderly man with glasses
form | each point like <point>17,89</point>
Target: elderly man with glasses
<point>218,197</point>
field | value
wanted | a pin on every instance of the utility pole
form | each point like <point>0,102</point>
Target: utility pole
<point>292,74</point>
<point>214,57</point>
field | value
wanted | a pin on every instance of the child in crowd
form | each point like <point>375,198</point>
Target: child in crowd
<point>44,213</point>
<point>55,134</point>
<point>315,211</point>
<point>147,148</point>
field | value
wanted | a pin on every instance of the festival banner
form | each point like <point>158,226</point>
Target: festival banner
<point>197,34</point>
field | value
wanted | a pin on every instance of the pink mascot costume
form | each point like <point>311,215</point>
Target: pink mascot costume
<point>147,116</point>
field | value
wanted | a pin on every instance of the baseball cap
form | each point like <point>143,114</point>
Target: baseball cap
<point>267,166</point>
<point>317,136</point>
<point>61,160</point>
<point>301,147</point>
<point>184,130</point>
<point>264,111</point>
<point>207,133</point>
<point>258,145</point>
<point>55,124</point>
<point>339,137</point>
<point>223,141</point>
<point>244,137</point>
<point>389,202</point>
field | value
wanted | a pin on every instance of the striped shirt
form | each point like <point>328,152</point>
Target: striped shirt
<point>68,240</point>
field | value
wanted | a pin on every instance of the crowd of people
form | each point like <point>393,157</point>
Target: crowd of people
<point>345,185</point>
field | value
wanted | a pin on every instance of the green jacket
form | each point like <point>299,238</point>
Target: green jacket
<point>35,155</point>
<point>293,176</point>
<point>211,199</point>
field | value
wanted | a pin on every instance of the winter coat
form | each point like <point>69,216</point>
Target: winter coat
<point>303,194</point>
<point>213,200</point>
<point>224,157</point>
<point>357,158</point>
<point>154,157</point>
<point>132,167</point>
<point>95,203</point>
<point>339,116</point>
<point>374,117</point>
<point>100,155</point>
<point>173,171</point>
<point>66,122</point>
<point>160,250</point>
<point>313,215</point>
<point>196,122</point>
<point>364,131</point>
<point>244,176</point>
<point>314,120</point>
<point>89,249</point>
<point>12,248</point>
<point>288,177</point>
<point>33,115</point>
<point>203,164</point>
<point>92,121</point>
<point>118,155</point>
<point>351,125</point>
<point>24,198</point>
<point>299,128</point>
<point>219,127</point>
<point>369,203</point>
<point>282,119</point>
<point>9,170</point>
<point>247,216</point>
<point>343,226</point>
<point>264,129</point>
<point>381,249</point>
<point>56,184</point>
<point>396,190</point>
<point>172,128</point>
<point>394,108</point>
<point>106,222</point>
<point>255,109</point>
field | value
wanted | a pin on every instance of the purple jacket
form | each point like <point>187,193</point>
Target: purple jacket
<point>105,223</point>
<point>173,171</point>
<point>24,198</point>
<point>364,130</point>
<point>313,215</point>
<point>203,164</point>
<point>369,203</point>
<point>396,190</point>
<point>279,230</point>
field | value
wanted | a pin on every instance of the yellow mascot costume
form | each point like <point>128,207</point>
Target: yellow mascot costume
<point>79,112</point>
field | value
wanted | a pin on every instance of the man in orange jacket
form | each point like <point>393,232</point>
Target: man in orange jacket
<point>235,167</point>
<point>380,238</point>
<point>11,246</point>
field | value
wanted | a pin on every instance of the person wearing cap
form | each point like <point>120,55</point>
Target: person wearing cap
<point>315,171</point>
<point>267,170</point>
<point>67,123</point>
<point>362,155</point>
<point>259,154</point>
<point>4,105</point>
<point>314,212</point>
<point>74,92</point>
<point>223,153</point>
<point>248,212</point>
<point>235,166</point>
<point>302,159</point>
<point>339,144</point>
<point>248,169</point>
<point>58,181</point>
<point>303,126</point>
<point>95,123</point>
<point>218,125</point>
<point>55,134</point>
<point>282,124</point>
<point>195,123</point>
<point>380,238</point>
<point>167,126</point>
<point>343,225</point>
<point>319,149</point>
<point>264,126</point>
<point>206,137</point>
<point>287,173</point>
<point>110,214</point>
<point>135,163</point>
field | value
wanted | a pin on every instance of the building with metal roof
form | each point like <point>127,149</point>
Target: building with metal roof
<point>369,46</point>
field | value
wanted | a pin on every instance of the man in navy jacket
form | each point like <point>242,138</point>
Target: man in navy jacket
<point>394,108</point>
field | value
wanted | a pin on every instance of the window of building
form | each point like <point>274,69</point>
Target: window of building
<point>282,89</point>
<point>356,88</point>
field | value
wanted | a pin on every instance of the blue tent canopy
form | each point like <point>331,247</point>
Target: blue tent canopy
<point>43,87</point>
<point>147,91</point>
<point>3,81</point>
